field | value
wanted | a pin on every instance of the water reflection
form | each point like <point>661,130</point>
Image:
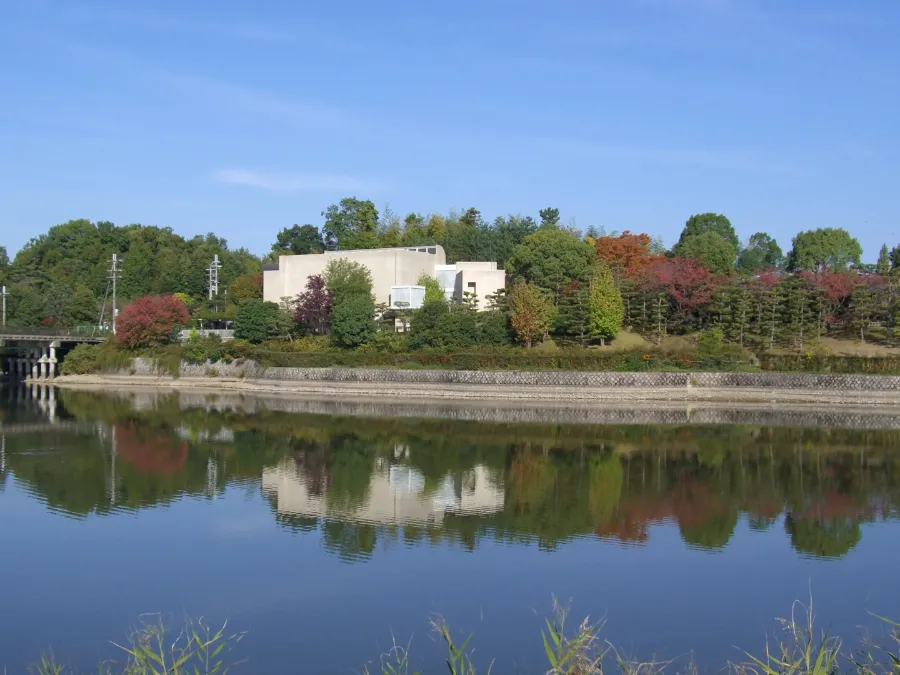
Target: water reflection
<point>362,482</point>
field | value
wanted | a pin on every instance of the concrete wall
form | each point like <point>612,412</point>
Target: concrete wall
<point>389,267</point>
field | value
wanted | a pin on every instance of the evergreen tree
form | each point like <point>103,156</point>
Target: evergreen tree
<point>573,317</point>
<point>883,266</point>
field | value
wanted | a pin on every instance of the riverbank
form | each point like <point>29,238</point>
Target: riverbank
<point>519,387</point>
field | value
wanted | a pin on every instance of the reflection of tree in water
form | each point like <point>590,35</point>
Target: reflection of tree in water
<point>830,538</point>
<point>351,542</point>
<point>557,482</point>
<point>705,520</point>
<point>148,451</point>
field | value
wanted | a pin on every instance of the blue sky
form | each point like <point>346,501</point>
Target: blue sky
<point>242,118</point>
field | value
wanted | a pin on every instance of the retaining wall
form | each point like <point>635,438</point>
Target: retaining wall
<point>250,370</point>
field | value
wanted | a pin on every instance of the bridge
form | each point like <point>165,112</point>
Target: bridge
<point>33,352</point>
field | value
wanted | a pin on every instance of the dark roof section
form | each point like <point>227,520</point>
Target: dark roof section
<point>270,267</point>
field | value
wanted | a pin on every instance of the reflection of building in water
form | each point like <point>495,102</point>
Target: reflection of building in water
<point>396,495</point>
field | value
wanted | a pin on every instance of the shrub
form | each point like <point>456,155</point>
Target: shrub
<point>81,361</point>
<point>150,321</point>
<point>257,321</point>
<point>425,329</point>
<point>494,329</point>
<point>388,342</point>
<point>352,321</point>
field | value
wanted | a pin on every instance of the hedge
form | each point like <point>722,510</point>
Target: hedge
<point>857,365</point>
<point>520,359</point>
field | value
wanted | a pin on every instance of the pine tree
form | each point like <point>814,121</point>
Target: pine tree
<point>573,312</point>
<point>861,309</point>
<point>605,308</point>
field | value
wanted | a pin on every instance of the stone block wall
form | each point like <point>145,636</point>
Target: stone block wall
<point>252,371</point>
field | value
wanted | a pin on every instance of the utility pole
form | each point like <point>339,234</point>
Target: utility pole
<point>213,274</point>
<point>113,275</point>
<point>4,306</point>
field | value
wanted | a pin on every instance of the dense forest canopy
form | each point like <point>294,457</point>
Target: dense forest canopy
<point>60,278</point>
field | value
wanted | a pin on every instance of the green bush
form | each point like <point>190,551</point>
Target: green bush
<point>814,363</point>
<point>258,321</point>
<point>435,326</point>
<point>489,359</point>
<point>81,361</point>
<point>352,320</point>
<point>494,329</point>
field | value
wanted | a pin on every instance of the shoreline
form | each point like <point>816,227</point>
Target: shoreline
<point>466,392</point>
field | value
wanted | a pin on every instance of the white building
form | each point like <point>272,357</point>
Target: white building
<point>395,274</point>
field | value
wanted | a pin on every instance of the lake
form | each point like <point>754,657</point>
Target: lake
<point>324,535</point>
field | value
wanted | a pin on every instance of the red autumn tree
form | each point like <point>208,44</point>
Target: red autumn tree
<point>686,281</point>
<point>150,321</point>
<point>313,306</point>
<point>627,252</point>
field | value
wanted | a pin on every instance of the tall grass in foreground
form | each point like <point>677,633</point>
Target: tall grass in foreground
<point>151,649</point>
<point>800,650</point>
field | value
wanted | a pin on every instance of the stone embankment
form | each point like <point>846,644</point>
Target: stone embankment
<point>545,387</point>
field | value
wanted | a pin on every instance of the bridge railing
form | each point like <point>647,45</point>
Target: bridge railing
<point>78,331</point>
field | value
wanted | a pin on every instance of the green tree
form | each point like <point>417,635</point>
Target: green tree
<point>710,250</point>
<point>434,326</point>
<point>433,290</point>
<point>761,252</point>
<point>352,224</point>
<point>508,233</point>
<point>415,232</point>
<point>352,320</point>
<point>531,312</point>
<point>605,308</point>
<point>549,217</point>
<point>390,231</point>
<point>574,313</point>
<point>245,288</point>
<point>829,247</point>
<point>883,266</point>
<point>4,264</point>
<point>426,329</point>
<point>258,321</point>
<point>345,278</point>
<point>298,240</point>
<point>708,222</point>
<point>552,259</point>
<point>84,309</point>
<point>137,270</point>
<point>57,300</point>
<point>493,328</point>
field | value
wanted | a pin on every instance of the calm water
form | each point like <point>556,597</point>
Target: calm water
<point>324,535</point>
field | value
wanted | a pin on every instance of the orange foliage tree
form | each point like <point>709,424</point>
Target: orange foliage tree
<point>626,253</point>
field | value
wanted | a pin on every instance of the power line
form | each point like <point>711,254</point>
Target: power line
<point>114,274</point>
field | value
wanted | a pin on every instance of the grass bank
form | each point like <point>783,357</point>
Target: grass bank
<point>570,649</point>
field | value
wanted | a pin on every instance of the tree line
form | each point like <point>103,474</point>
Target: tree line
<point>561,282</point>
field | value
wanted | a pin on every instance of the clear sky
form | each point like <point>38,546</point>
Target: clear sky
<point>242,118</point>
